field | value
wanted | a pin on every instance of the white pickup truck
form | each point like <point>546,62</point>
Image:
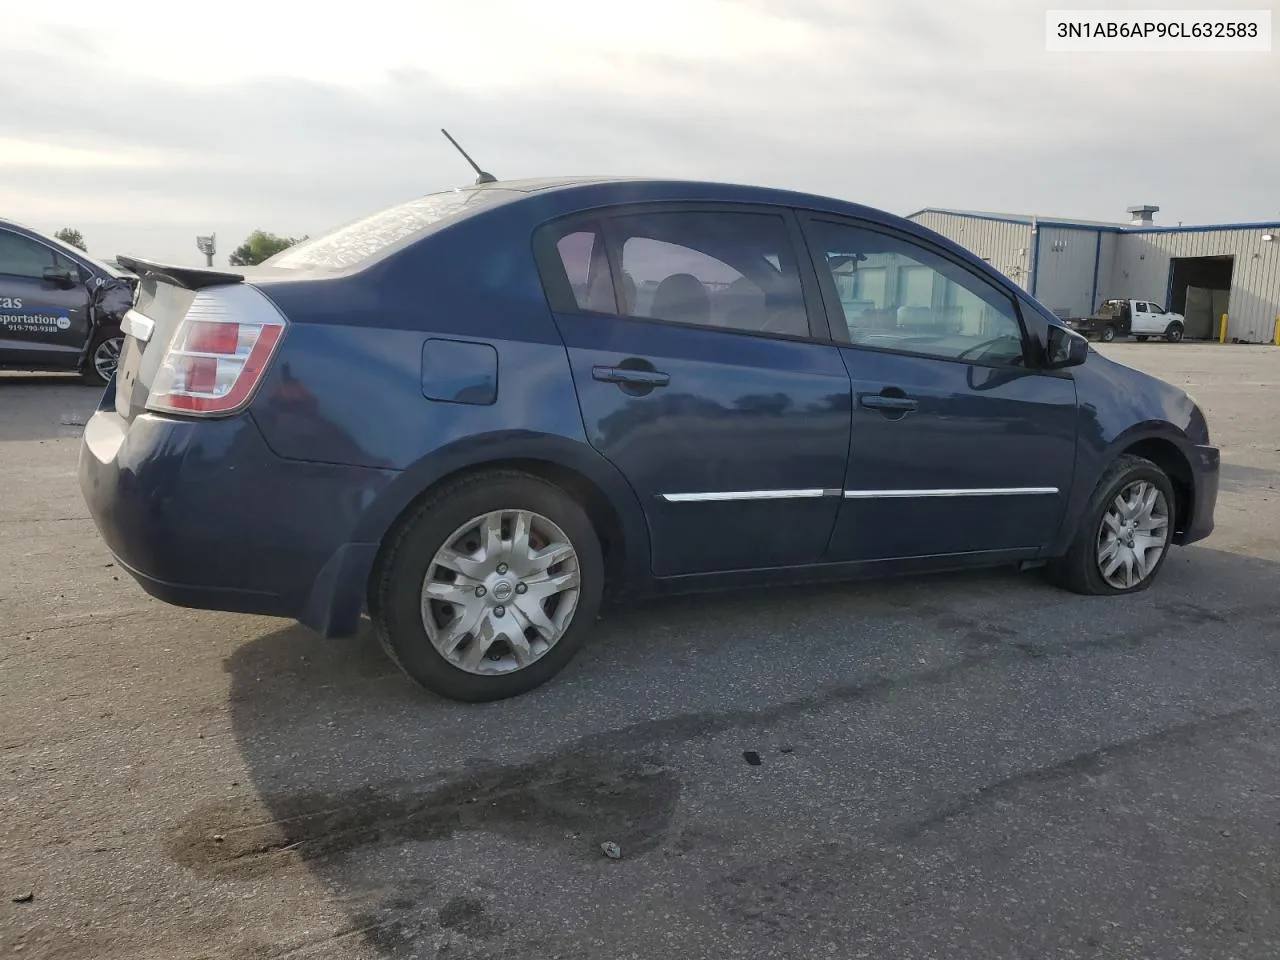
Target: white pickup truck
<point>1139,318</point>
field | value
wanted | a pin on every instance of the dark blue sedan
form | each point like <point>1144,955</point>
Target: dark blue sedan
<point>475,413</point>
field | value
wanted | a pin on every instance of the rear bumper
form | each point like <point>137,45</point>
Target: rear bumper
<point>203,514</point>
<point>1205,468</point>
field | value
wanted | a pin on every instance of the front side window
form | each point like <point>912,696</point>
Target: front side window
<point>896,295</point>
<point>735,271</point>
<point>1154,308</point>
<point>23,257</point>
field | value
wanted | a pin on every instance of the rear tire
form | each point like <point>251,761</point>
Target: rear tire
<point>1085,567</point>
<point>103,356</point>
<point>1108,334</point>
<point>1173,333</point>
<point>496,628</point>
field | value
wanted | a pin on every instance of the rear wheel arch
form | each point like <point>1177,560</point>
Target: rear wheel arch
<point>611,529</point>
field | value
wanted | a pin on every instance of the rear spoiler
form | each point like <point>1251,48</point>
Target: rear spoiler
<point>192,278</point>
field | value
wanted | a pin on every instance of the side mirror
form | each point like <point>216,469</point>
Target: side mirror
<point>59,277</point>
<point>1066,348</point>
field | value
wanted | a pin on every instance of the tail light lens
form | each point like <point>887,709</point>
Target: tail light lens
<point>218,354</point>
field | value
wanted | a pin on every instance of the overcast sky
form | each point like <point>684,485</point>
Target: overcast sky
<point>146,123</point>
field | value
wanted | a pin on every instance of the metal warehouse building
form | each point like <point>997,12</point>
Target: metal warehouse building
<point>1073,265</point>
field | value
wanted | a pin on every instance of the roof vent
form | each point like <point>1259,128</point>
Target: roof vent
<point>1140,216</point>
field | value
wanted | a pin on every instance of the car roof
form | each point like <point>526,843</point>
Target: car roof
<point>601,191</point>
<point>653,188</point>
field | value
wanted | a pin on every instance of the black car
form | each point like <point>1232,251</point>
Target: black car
<point>59,308</point>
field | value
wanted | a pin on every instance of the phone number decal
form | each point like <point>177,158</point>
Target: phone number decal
<point>34,321</point>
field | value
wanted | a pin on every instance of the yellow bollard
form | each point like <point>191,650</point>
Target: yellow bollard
<point>1222,330</point>
<point>1277,339</point>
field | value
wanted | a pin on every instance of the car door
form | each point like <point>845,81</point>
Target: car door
<point>958,445</point>
<point>44,305</point>
<point>1141,318</point>
<point>1156,319</point>
<point>705,376</point>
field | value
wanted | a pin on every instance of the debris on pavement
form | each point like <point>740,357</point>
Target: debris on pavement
<point>611,850</point>
<point>751,757</point>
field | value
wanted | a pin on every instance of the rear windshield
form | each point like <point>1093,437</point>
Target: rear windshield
<point>366,238</point>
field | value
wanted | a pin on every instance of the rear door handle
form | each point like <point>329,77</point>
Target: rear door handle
<point>876,401</point>
<point>629,377</point>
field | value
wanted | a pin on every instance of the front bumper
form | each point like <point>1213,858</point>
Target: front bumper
<point>203,514</point>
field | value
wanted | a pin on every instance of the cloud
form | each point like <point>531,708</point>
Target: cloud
<point>221,122</point>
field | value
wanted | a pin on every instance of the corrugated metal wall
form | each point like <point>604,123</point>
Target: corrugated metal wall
<point>1064,277</point>
<point>1135,265</point>
<point>1141,269</point>
<point>1006,246</point>
<point>1106,268</point>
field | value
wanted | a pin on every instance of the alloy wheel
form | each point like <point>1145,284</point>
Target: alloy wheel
<point>107,356</point>
<point>501,592</point>
<point>1133,535</point>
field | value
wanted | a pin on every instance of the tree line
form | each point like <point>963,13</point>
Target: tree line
<point>258,246</point>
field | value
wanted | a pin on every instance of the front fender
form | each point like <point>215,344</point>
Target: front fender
<point>1120,407</point>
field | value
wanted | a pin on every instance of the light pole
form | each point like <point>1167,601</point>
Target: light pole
<point>208,246</point>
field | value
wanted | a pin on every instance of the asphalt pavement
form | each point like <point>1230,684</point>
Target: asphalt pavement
<point>962,766</point>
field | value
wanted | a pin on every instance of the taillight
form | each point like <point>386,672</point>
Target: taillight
<point>218,354</point>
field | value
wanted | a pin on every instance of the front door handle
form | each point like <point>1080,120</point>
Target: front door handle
<point>878,401</point>
<point>630,377</point>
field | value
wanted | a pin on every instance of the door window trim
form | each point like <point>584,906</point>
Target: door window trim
<point>835,312</point>
<point>559,290</point>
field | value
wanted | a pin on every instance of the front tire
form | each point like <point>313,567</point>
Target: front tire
<point>489,588</point>
<point>1124,535</point>
<point>1174,332</point>
<point>103,356</point>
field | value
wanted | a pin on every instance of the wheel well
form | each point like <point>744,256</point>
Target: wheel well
<point>603,517</point>
<point>1166,455</point>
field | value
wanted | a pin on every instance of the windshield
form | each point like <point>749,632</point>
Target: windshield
<point>366,238</point>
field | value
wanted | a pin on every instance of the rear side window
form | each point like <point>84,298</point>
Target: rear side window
<point>730,270</point>
<point>23,257</point>
<point>587,269</point>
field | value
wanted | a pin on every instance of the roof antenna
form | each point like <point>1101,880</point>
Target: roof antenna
<point>482,176</point>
